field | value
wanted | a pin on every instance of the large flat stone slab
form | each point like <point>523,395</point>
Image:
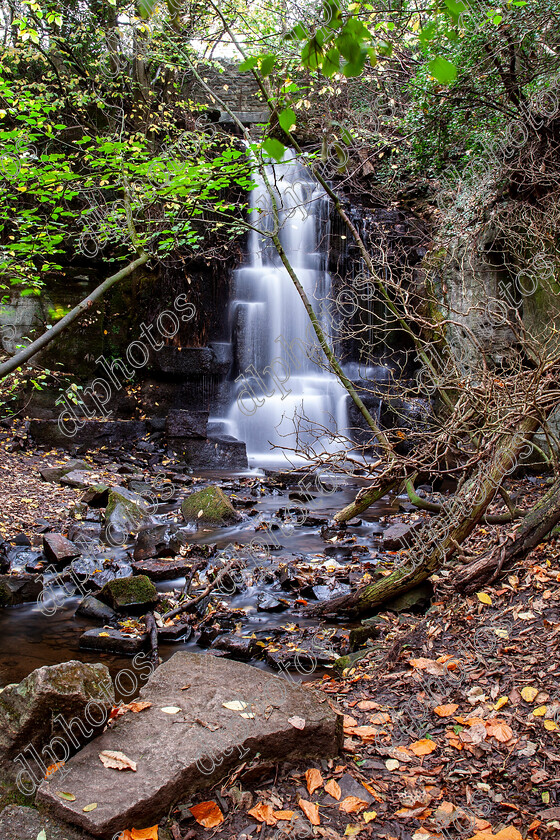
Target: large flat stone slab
<point>180,754</point>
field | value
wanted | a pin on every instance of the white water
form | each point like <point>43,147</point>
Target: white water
<point>279,366</point>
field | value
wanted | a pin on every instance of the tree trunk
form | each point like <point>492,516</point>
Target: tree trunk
<point>437,540</point>
<point>536,525</point>
<point>24,355</point>
<point>366,497</point>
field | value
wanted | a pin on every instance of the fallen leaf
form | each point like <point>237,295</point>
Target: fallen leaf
<point>423,747</point>
<point>529,693</point>
<point>297,722</point>
<point>352,805</point>
<point>392,764</point>
<point>103,634</point>
<point>436,669</point>
<point>42,835</point>
<point>540,711</point>
<point>369,816</point>
<point>501,702</point>
<point>313,779</point>
<point>235,705</point>
<point>144,833</point>
<point>52,768</point>
<point>115,760</point>
<point>445,711</point>
<point>500,731</point>
<point>366,733</point>
<point>551,725</point>
<point>68,796</point>
<point>311,811</point>
<point>263,813</point>
<point>352,829</point>
<point>139,706</point>
<point>333,788</point>
<point>90,807</point>
<point>284,815</point>
<point>484,598</point>
<point>171,710</point>
<point>380,718</point>
<point>207,814</point>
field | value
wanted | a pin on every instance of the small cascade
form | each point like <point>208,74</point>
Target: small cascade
<point>283,395</point>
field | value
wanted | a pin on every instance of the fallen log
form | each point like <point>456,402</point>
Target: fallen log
<point>533,529</point>
<point>436,541</point>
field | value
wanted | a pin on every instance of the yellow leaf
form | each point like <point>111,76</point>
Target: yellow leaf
<point>539,711</point>
<point>500,703</point>
<point>314,780</point>
<point>68,796</point>
<point>551,725</point>
<point>103,634</point>
<point>90,807</point>
<point>369,816</point>
<point>352,829</point>
<point>484,598</point>
<point>529,693</point>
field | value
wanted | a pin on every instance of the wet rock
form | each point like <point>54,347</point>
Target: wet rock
<point>268,603</point>
<point>55,474</point>
<point>18,822</point>
<point>19,589</point>
<point>110,572</point>
<point>236,647</point>
<point>92,607</point>
<point>113,641</point>
<point>170,750</point>
<point>324,593</point>
<point>215,506</point>
<point>30,710</point>
<point>96,496</point>
<point>398,535</point>
<point>186,424</point>
<point>58,550</point>
<point>80,479</point>
<point>21,539</point>
<point>126,512</point>
<point>131,594</point>
<point>180,632</point>
<point>85,531</point>
<point>164,568</point>
<point>153,542</point>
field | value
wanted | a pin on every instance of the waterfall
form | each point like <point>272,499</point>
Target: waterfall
<point>280,371</point>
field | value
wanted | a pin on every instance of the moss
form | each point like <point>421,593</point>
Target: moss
<point>215,506</point>
<point>122,592</point>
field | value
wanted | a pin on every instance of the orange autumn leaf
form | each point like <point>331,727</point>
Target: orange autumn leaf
<point>445,711</point>
<point>138,706</point>
<point>52,768</point>
<point>453,740</point>
<point>352,805</point>
<point>263,813</point>
<point>145,833</point>
<point>380,718</point>
<point>314,780</point>
<point>311,811</point>
<point>284,815</point>
<point>423,747</point>
<point>207,814</point>
<point>348,722</point>
<point>333,788</point>
<point>366,733</point>
<point>501,732</point>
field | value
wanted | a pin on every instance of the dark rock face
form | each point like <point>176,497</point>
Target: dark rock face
<point>18,822</point>
<point>29,710</point>
<point>92,434</point>
<point>112,641</point>
<point>19,590</point>
<point>160,541</point>
<point>186,424</point>
<point>92,607</point>
<point>236,647</point>
<point>219,452</point>
<point>164,568</point>
<point>59,550</point>
<point>176,756</point>
<point>133,594</point>
<point>209,506</point>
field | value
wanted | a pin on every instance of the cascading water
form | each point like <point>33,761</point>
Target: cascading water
<point>283,395</point>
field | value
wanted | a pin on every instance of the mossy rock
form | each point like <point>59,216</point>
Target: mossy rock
<point>131,594</point>
<point>210,507</point>
<point>126,512</point>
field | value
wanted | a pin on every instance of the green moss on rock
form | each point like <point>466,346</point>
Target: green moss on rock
<point>134,591</point>
<point>209,506</point>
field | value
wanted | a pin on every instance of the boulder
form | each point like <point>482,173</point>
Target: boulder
<point>398,535</point>
<point>164,568</point>
<point>80,479</point>
<point>110,640</point>
<point>91,607</point>
<point>180,753</point>
<point>55,474</point>
<point>59,550</point>
<point>20,589</point>
<point>135,593</point>
<point>30,710</point>
<point>125,512</point>
<point>210,506</point>
<point>154,542</point>
<point>186,424</point>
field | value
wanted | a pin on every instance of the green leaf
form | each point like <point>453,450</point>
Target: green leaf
<point>443,70</point>
<point>312,53</point>
<point>331,63</point>
<point>274,148</point>
<point>287,119</point>
<point>267,63</point>
<point>248,64</point>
